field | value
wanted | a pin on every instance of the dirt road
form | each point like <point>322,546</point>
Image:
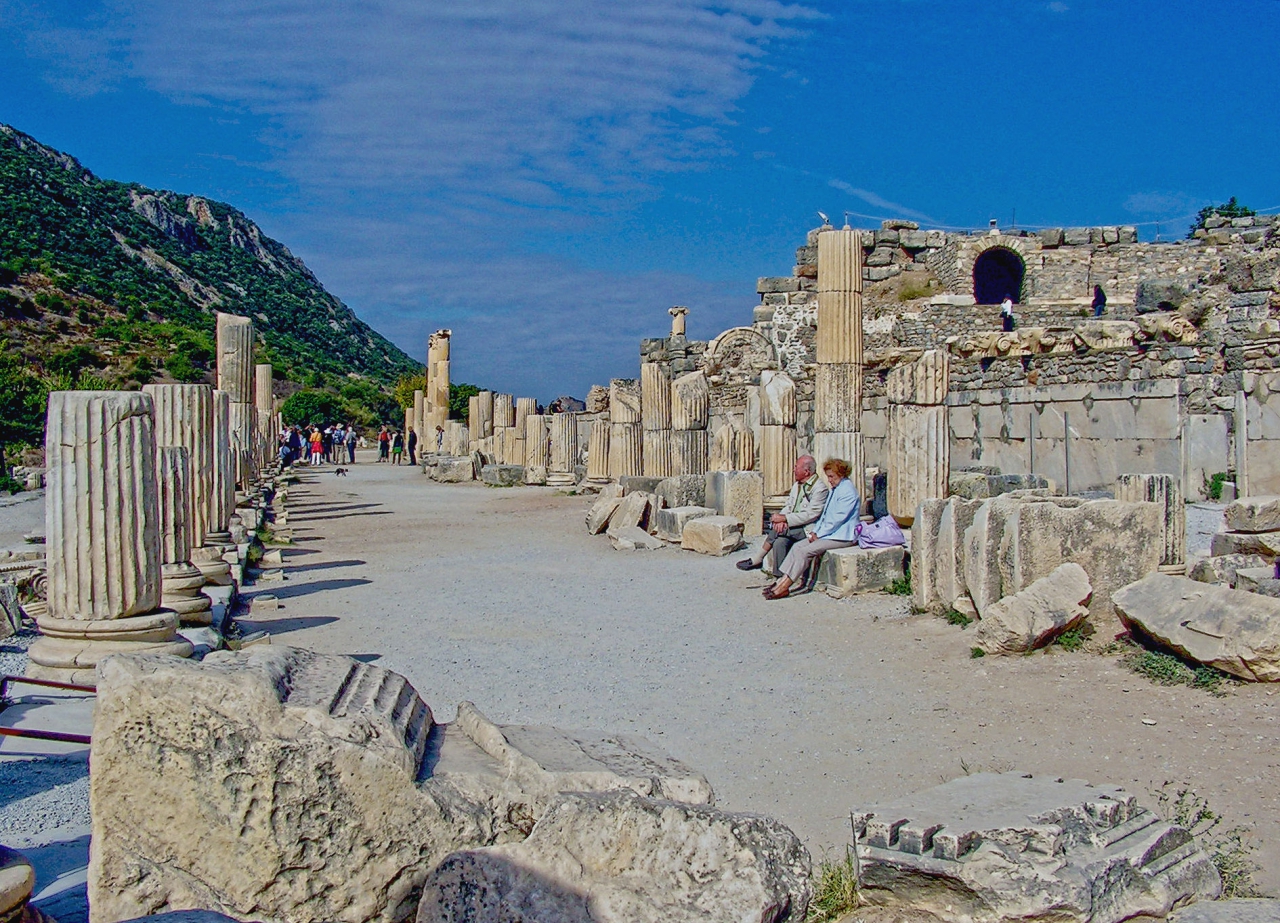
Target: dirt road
<point>804,709</point>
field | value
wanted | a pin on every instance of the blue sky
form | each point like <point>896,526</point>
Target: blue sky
<point>547,177</point>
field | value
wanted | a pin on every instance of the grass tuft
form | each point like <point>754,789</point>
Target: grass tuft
<point>1071,639</point>
<point>899,587</point>
<point>835,890</point>
<point>955,617</point>
<point>1229,850</point>
<point>1168,670</point>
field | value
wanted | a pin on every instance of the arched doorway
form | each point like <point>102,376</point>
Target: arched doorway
<point>996,273</point>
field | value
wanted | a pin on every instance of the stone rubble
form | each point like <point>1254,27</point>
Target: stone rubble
<point>1033,617</point>
<point>714,535</point>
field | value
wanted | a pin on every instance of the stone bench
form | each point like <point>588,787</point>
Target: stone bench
<point>845,571</point>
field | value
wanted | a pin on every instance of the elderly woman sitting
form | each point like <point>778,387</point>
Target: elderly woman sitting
<point>836,528</point>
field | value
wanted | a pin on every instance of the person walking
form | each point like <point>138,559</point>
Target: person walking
<point>397,447</point>
<point>1099,301</point>
<point>837,527</point>
<point>412,444</point>
<point>326,442</point>
<point>439,438</point>
<point>384,444</point>
<point>317,447</point>
<point>352,439</point>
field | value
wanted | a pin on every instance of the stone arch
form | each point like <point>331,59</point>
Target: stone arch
<point>998,272</point>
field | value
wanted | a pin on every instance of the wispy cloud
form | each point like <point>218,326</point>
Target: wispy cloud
<point>877,201</point>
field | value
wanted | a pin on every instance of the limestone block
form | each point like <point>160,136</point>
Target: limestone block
<point>1236,631</point>
<point>655,397</point>
<point>717,535</point>
<point>689,454</point>
<point>777,458</point>
<point>923,382</point>
<point>235,358</point>
<point>925,541</point>
<point>631,484</point>
<point>452,470</point>
<point>1163,490</point>
<point>535,475</point>
<point>1258,580</point>
<point>635,509</point>
<point>184,417</point>
<point>1035,616</point>
<point>504,411</point>
<point>918,453</point>
<point>1232,543</point>
<point>598,450</point>
<point>670,523</point>
<point>502,475</point>
<point>537,449</point>
<point>739,494</point>
<point>733,449</point>
<point>982,546</point>
<point>690,401</point>
<point>988,848</point>
<point>312,729</point>
<point>656,454</point>
<point>634,538</point>
<point>626,450</point>
<point>1223,568</point>
<point>619,858</point>
<point>682,490</point>
<point>564,442</point>
<point>600,513</point>
<point>1254,514</point>
<point>11,612</point>
<point>837,398</point>
<point>624,401</point>
<point>978,485</point>
<point>777,399</point>
<point>846,571</point>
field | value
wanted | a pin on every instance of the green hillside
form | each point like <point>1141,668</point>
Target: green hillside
<point>120,283</point>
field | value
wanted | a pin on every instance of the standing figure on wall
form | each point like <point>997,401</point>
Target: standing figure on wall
<point>1099,301</point>
<point>1007,321</point>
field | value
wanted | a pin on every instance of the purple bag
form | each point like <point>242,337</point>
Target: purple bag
<point>883,533</point>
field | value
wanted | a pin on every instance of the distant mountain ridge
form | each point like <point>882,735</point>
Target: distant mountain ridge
<point>92,263</point>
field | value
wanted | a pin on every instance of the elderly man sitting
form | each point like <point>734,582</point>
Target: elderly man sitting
<point>804,505</point>
<point>837,527</point>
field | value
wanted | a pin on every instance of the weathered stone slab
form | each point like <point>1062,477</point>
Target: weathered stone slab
<point>620,858</point>
<point>242,748</point>
<point>739,494</point>
<point>502,475</point>
<point>535,475</point>
<point>1223,568</point>
<point>635,509</point>
<point>1035,616</point>
<point>990,848</point>
<point>599,514</point>
<point>978,485</point>
<point>1261,580</point>
<point>924,570</point>
<point>845,571</point>
<point>1263,543</point>
<point>717,535</point>
<point>1242,910</point>
<point>454,470</point>
<point>682,490</point>
<point>1253,514</point>
<point>10,613</point>
<point>670,523</point>
<point>1235,631</point>
<point>633,538</point>
<point>634,483</point>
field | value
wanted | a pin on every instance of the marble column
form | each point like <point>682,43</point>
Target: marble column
<point>837,393</point>
<point>537,451</point>
<point>626,440</point>
<point>732,449</point>
<point>777,431</point>
<point>102,524</point>
<point>918,439</point>
<point>426,434</point>
<point>180,580</point>
<point>184,417</point>
<point>655,419</point>
<point>475,427</point>
<point>689,451</point>
<point>264,408</point>
<point>484,405</point>
<point>598,450</point>
<point>236,378</point>
<point>457,438</point>
<point>1164,490</point>
<point>525,406</point>
<point>504,419</point>
<point>223,497</point>
<point>678,315</point>
<point>690,414</point>
<point>437,394</point>
<point>564,450</point>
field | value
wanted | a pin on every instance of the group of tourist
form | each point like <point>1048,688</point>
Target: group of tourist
<point>821,513</point>
<point>316,445</point>
<point>393,443</point>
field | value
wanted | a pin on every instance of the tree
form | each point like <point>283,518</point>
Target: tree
<point>406,385</point>
<point>1228,209</point>
<point>459,395</point>
<point>22,406</point>
<point>312,406</point>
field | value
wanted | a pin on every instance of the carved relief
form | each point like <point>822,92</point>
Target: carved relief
<point>738,356</point>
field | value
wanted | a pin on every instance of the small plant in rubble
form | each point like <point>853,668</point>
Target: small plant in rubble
<point>1229,849</point>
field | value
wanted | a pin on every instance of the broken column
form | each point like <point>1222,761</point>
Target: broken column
<point>524,407</point>
<point>598,451</point>
<point>222,499</point>
<point>102,536</point>
<point>625,434</point>
<point>655,418</point>
<point>837,395</point>
<point>426,435</point>
<point>184,417</point>
<point>564,450</point>
<point>264,413</point>
<point>537,450</point>
<point>437,393</point>
<point>236,378</point>
<point>733,449</point>
<point>1162,489</point>
<point>777,431</point>
<point>180,580</point>
<point>918,442</point>
<point>690,415</point>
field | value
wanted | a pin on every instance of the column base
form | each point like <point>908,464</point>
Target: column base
<point>180,586</point>
<point>69,650</point>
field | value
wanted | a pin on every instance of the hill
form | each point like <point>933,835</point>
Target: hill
<point>120,283</point>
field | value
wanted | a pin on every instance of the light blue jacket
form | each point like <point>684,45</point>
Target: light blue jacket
<point>839,519</point>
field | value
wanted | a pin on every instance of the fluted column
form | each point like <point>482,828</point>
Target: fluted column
<point>537,451</point>
<point>655,419</point>
<point>437,394</point>
<point>184,417</point>
<point>918,440</point>
<point>1164,490</point>
<point>525,406</point>
<point>264,406</point>
<point>837,394</point>
<point>598,451</point>
<point>236,378</point>
<point>777,431</point>
<point>626,442</point>
<point>426,434</point>
<point>180,580</point>
<point>102,524</point>
<point>475,427</point>
<point>223,497</point>
<point>564,449</point>
<point>690,416</point>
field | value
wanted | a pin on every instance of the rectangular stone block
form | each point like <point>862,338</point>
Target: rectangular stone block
<point>739,494</point>
<point>1254,514</point>
<point>1163,490</point>
<point>451,470</point>
<point>671,522</point>
<point>845,571</point>
<point>683,490</point>
<point>1263,543</point>
<point>716,535</point>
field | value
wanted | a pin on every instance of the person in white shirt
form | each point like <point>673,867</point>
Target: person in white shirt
<point>804,505</point>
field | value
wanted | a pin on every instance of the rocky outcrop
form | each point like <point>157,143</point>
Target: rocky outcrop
<point>620,858</point>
